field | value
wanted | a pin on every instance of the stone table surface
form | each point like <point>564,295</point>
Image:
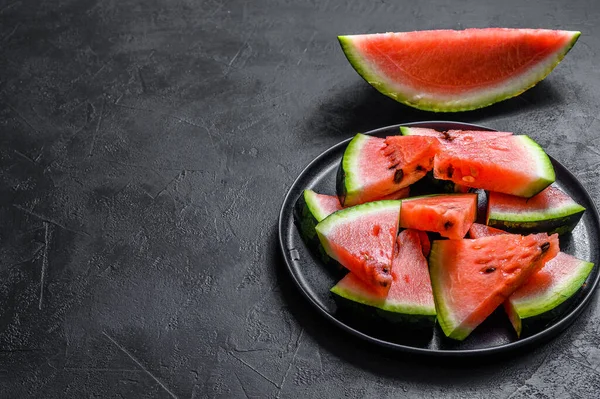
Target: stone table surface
<point>145,151</point>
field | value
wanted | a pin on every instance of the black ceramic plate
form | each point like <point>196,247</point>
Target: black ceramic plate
<point>314,279</point>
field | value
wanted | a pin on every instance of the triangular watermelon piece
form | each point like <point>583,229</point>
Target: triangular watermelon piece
<point>451,215</point>
<point>410,293</point>
<point>471,277</point>
<point>373,168</point>
<point>456,70</point>
<point>514,165</point>
<point>551,210</point>
<point>362,238</point>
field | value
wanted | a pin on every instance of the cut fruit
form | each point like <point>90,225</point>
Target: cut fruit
<point>544,295</point>
<point>479,230</point>
<point>451,215</point>
<point>410,297</point>
<point>453,137</point>
<point>471,277</point>
<point>451,70</point>
<point>373,168</point>
<point>550,211</point>
<point>514,165</point>
<point>362,239</point>
<point>539,299</point>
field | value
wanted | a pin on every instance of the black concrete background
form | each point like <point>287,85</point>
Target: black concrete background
<point>145,150</point>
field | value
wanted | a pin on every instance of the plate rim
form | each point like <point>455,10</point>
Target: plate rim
<point>545,334</point>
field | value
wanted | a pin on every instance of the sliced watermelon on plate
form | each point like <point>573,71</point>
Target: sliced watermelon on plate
<point>410,297</point>
<point>552,210</point>
<point>456,70</point>
<point>542,297</point>
<point>451,215</point>
<point>362,238</point>
<point>514,165</point>
<point>472,277</point>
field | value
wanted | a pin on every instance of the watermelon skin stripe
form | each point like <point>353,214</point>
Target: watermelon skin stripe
<point>364,298</point>
<point>469,100</point>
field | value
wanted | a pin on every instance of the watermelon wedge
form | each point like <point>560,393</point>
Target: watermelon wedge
<point>410,297</point>
<point>373,168</point>
<point>362,238</point>
<point>471,277</point>
<point>550,211</point>
<point>450,70</point>
<point>539,299</point>
<point>451,215</point>
<point>514,165</point>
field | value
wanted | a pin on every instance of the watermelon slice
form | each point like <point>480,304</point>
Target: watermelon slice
<point>373,168</point>
<point>410,297</point>
<point>453,137</point>
<point>448,71</point>
<point>542,296</point>
<point>550,211</point>
<point>451,215</point>
<point>539,299</point>
<point>514,165</point>
<point>471,277</point>
<point>362,239</point>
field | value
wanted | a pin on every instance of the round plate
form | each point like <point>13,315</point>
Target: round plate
<point>495,334</point>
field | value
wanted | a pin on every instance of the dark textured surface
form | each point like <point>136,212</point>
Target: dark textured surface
<point>145,150</point>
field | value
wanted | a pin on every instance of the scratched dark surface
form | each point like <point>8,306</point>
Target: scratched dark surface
<point>145,150</point>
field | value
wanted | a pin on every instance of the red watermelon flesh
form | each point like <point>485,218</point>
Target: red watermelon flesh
<point>559,278</point>
<point>362,238</point>
<point>410,157</point>
<point>452,70</point>
<point>451,215</point>
<point>425,242</point>
<point>513,165</point>
<point>453,137</point>
<point>479,230</point>
<point>472,277</point>
<point>373,168</point>
<point>410,292</point>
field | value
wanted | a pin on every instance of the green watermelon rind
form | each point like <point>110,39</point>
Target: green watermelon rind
<point>312,202</point>
<point>349,185</point>
<point>478,99</point>
<point>382,304</point>
<point>451,328</point>
<point>541,304</point>
<point>348,215</point>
